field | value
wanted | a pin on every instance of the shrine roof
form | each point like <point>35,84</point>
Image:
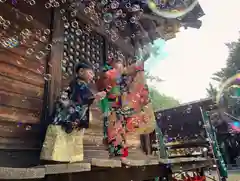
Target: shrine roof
<point>204,103</point>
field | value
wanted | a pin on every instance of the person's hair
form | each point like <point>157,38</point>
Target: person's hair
<point>82,65</point>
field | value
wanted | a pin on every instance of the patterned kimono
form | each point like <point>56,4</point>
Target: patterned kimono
<point>64,137</point>
<point>124,109</point>
<point>114,129</point>
<point>76,113</point>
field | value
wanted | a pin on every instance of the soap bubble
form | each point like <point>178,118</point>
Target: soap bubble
<point>56,4</point>
<point>47,77</point>
<point>78,32</point>
<point>29,18</point>
<point>32,2</point>
<point>229,89</point>
<point>40,55</point>
<point>43,39</point>
<point>48,47</point>
<point>114,4</point>
<point>48,5</point>
<point>29,51</point>
<point>47,31</point>
<point>74,13</point>
<point>107,17</point>
<point>66,25</point>
<point>228,98</point>
<point>74,24</point>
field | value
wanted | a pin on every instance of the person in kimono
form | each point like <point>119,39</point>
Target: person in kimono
<point>64,137</point>
<point>119,105</point>
<point>114,131</point>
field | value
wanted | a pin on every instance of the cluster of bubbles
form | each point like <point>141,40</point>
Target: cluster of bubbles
<point>32,39</point>
<point>54,3</point>
<point>4,23</point>
<point>174,133</point>
<point>41,37</point>
<point>9,42</point>
<point>120,18</point>
<point>30,2</point>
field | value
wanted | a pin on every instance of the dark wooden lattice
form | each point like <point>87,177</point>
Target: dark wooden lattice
<point>81,46</point>
<point>116,54</point>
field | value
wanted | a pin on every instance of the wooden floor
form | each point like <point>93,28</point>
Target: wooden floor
<point>132,161</point>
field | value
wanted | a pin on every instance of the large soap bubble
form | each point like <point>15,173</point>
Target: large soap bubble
<point>228,99</point>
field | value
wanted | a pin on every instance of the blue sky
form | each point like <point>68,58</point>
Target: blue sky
<point>194,55</point>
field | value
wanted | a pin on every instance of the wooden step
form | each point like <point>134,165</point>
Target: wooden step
<point>136,157</point>
<point>96,153</point>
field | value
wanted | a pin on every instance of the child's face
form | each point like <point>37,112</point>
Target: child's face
<point>119,66</point>
<point>86,74</point>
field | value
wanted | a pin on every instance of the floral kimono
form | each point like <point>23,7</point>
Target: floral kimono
<point>64,137</point>
<point>124,108</point>
<point>113,119</point>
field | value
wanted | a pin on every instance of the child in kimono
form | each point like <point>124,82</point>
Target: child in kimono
<point>114,130</point>
<point>64,137</point>
<point>119,106</point>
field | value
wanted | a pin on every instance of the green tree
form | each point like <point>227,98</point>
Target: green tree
<point>232,67</point>
<point>233,63</point>
<point>212,91</point>
<point>161,101</point>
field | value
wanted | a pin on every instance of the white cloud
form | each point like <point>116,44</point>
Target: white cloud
<point>194,55</point>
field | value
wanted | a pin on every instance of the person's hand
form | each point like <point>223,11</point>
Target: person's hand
<point>100,95</point>
<point>75,124</point>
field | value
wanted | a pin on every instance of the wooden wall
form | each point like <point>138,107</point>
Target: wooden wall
<point>22,78</point>
<point>26,81</point>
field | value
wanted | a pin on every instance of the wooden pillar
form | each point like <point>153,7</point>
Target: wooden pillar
<point>56,56</point>
<point>159,137</point>
<point>145,143</point>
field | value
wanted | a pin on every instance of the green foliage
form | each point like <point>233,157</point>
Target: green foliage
<point>161,101</point>
<point>232,67</point>
<point>212,91</point>
<point>233,63</point>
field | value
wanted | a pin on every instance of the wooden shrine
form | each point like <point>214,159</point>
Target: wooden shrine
<point>40,65</point>
<point>184,133</point>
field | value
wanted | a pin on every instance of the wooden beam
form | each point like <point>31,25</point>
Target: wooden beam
<point>137,158</point>
<point>55,59</point>
<point>138,173</point>
<point>181,160</point>
<point>111,163</point>
<point>67,168</point>
<point>126,48</point>
<point>188,166</point>
<point>21,173</point>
